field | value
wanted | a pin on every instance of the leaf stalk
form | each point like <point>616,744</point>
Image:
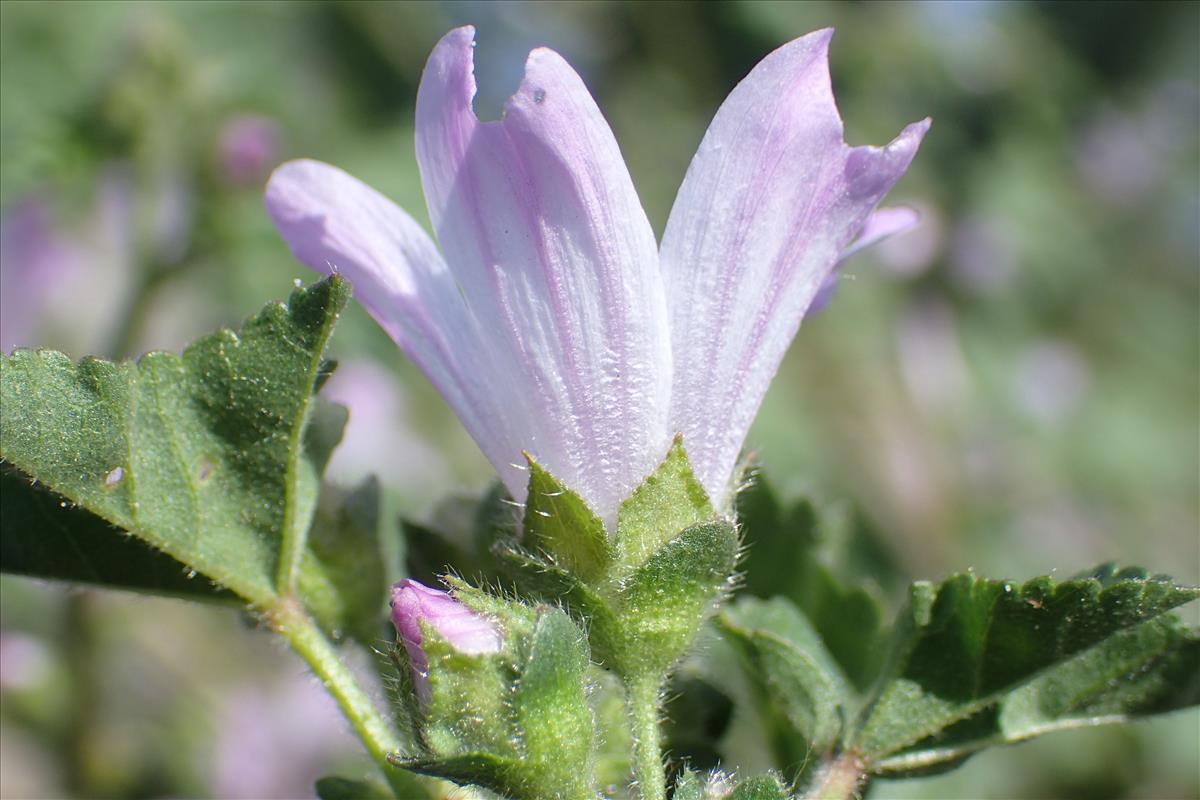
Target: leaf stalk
<point>288,618</point>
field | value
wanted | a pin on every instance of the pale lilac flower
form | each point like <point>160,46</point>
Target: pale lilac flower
<point>34,258</point>
<point>468,632</point>
<point>47,263</point>
<point>247,148</point>
<point>550,320</point>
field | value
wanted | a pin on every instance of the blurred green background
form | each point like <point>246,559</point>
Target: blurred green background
<point>1014,387</point>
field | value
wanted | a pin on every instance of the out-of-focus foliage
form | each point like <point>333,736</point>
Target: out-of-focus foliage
<point>1013,387</point>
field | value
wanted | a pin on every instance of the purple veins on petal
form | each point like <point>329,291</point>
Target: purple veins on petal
<point>549,318</point>
<point>771,200</point>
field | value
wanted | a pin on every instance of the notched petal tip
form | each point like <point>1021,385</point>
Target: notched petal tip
<point>546,75</point>
<point>914,132</point>
<point>871,171</point>
<point>449,74</point>
<point>454,40</point>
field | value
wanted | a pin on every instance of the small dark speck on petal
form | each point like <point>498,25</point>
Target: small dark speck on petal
<point>539,96</point>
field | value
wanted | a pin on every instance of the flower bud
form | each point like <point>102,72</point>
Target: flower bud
<point>468,632</point>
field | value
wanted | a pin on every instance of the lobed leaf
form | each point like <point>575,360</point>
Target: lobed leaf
<point>970,647</point>
<point>795,675</point>
<point>831,571</point>
<point>202,456</point>
<point>1149,668</point>
<point>45,536</point>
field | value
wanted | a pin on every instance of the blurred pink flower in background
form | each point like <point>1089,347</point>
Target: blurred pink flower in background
<point>1051,379</point>
<point>24,660</point>
<point>62,285</point>
<point>379,438</point>
<point>36,260</point>
<point>247,148</point>
<point>275,742</point>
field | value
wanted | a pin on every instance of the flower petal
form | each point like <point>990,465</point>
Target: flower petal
<point>882,224</point>
<point>539,220</point>
<point>770,201</point>
<point>336,224</point>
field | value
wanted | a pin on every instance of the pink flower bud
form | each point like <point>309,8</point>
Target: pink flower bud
<point>468,632</point>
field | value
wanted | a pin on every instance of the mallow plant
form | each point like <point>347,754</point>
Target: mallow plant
<point>546,647</point>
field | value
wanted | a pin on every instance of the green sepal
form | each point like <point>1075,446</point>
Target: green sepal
<point>800,687</point>
<point>516,722</point>
<point>669,500</point>
<point>551,708</point>
<point>661,605</point>
<point>584,602</point>
<point>688,786</point>
<point>673,560</point>
<point>760,787</point>
<point>560,525</point>
<point>968,647</point>
<point>469,707</point>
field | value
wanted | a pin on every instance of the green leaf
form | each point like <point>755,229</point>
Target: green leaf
<point>559,523</point>
<point>45,536</point>
<point>1149,668</point>
<point>342,577</point>
<point>970,644</point>
<point>668,501</point>
<point>829,568</point>
<point>795,675</point>
<point>199,456</point>
<point>335,788</point>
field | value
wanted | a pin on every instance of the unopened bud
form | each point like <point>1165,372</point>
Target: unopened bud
<point>465,630</point>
